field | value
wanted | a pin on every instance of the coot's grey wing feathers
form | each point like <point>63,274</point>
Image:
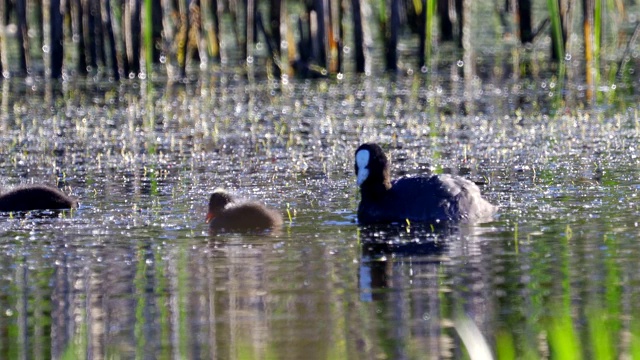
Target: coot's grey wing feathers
<point>469,203</point>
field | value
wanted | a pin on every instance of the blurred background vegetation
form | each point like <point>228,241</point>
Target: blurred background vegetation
<point>312,38</point>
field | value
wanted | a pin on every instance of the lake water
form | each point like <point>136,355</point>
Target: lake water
<point>134,273</point>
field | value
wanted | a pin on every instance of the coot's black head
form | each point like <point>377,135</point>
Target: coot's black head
<point>217,202</point>
<point>372,167</point>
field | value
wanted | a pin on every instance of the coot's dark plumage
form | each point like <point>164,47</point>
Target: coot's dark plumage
<point>35,197</point>
<point>437,198</point>
<point>228,214</point>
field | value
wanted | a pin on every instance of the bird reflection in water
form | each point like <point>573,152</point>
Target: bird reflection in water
<point>384,245</point>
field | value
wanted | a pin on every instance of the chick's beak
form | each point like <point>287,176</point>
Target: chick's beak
<point>210,216</point>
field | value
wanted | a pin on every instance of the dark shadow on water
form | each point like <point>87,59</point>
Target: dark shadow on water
<point>35,214</point>
<point>399,273</point>
<point>260,233</point>
<point>385,247</point>
<point>406,240</point>
<point>252,240</point>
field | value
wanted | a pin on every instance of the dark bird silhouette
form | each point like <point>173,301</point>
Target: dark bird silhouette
<point>35,197</point>
<point>425,199</point>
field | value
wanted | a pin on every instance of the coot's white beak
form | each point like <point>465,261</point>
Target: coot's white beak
<point>362,161</point>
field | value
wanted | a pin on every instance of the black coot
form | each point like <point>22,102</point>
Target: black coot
<point>228,214</point>
<point>35,197</point>
<point>431,199</point>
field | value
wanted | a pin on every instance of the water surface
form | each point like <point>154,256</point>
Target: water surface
<point>134,272</point>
